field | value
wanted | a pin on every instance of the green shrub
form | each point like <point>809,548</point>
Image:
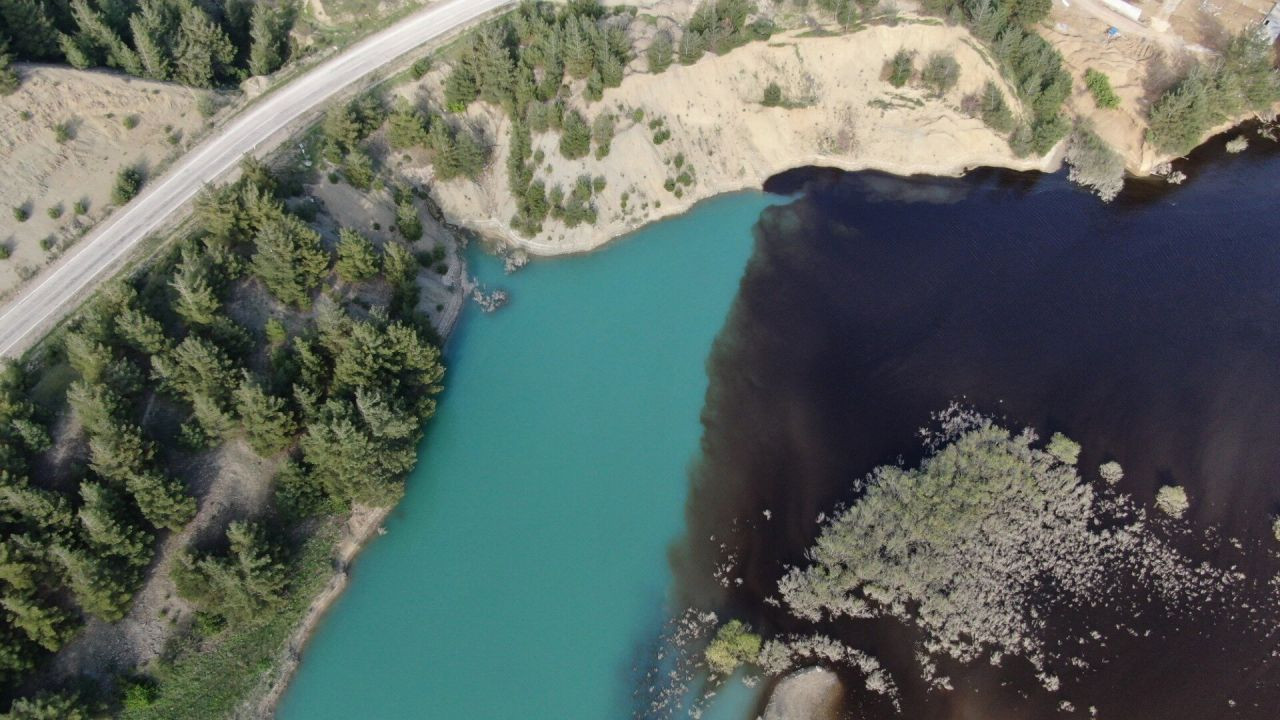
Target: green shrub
<point>5,252</point>
<point>733,645</point>
<point>901,68</point>
<point>1096,166</point>
<point>80,207</point>
<point>1100,86</point>
<point>420,67</point>
<point>128,183</point>
<point>602,134</point>
<point>62,132</point>
<point>940,74</point>
<point>772,95</point>
<point>129,121</point>
<point>54,211</point>
<point>21,213</point>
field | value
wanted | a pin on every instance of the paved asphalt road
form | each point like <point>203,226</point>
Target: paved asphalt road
<point>55,292</point>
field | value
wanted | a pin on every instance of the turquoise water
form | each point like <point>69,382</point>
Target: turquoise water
<point>524,575</point>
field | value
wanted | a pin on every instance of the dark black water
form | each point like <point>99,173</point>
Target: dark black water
<point>1148,330</point>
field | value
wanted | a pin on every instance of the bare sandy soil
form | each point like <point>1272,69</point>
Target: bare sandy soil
<point>840,113</point>
<point>40,173</point>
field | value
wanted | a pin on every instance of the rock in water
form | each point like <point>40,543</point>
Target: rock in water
<point>810,694</point>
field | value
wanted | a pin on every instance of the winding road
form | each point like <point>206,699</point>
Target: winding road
<point>55,292</point>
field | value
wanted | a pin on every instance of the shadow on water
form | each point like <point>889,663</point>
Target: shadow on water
<point>1148,330</point>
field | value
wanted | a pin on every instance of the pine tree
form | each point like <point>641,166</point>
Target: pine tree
<point>103,586</point>
<point>268,425</point>
<point>461,87</point>
<point>87,356</point>
<point>78,51</point>
<point>203,51</point>
<point>579,55</point>
<point>119,451</point>
<point>611,70</point>
<point>154,27</point>
<point>162,500</point>
<point>30,28</point>
<point>47,626</point>
<point>406,128</point>
<point>142,332</point>
<point>8,76</point>
<point>94,404</point>
<point>407,220</point>
<point>195,367</point>
<point>46,510</point>
<point>99,32</point>
<point>46,706</point>
<point>494,68</point>
<point>659,53</point>
<point>342,131</point>
<point>266,53</point>
<point>108,528</point>
<point>249,579</point>
<point>197,303</point>
<point>289,259</point>
<point>575,138</point>
<point>357,260</point>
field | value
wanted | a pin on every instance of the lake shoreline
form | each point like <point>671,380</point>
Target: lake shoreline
<point>364,524</point>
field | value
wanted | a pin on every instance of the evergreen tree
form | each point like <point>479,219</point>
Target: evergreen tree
<point>494,68</point>
<point>97,31</point>
<point>88,357</point>
<point>595,87</point>
<point>341,131</point>
<point>107,527</point>
<point>31,29</point>
<point>659,53</point>
<point>195,367</point>
<point>357,260</point>
<point>461,87</point>
<point>78,51</point>
<point>142,332</point>
<point>8,76</point>
<point>289,259</point>
<point>203,51</point>
<point>45,510</point>
<point>57,706</point>
<point>407,220</point>
<point>94,404</point>
<point>268,425</point>
<point>579,55</point>
<point>103,586</point>
<point>197,303</point>
<point>267,30</point>
<point>611,70</point>
<point>357,168</point>
<point>45,625</point>
<point>241,585</point>
<point>351,462</point>
<point>154,27</point>
<point>162,500</point>
<point>119,451</point>
<point>575,137</point>
<point>406,128</point>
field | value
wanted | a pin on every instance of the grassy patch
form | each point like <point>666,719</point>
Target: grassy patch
<point>207,678</point>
